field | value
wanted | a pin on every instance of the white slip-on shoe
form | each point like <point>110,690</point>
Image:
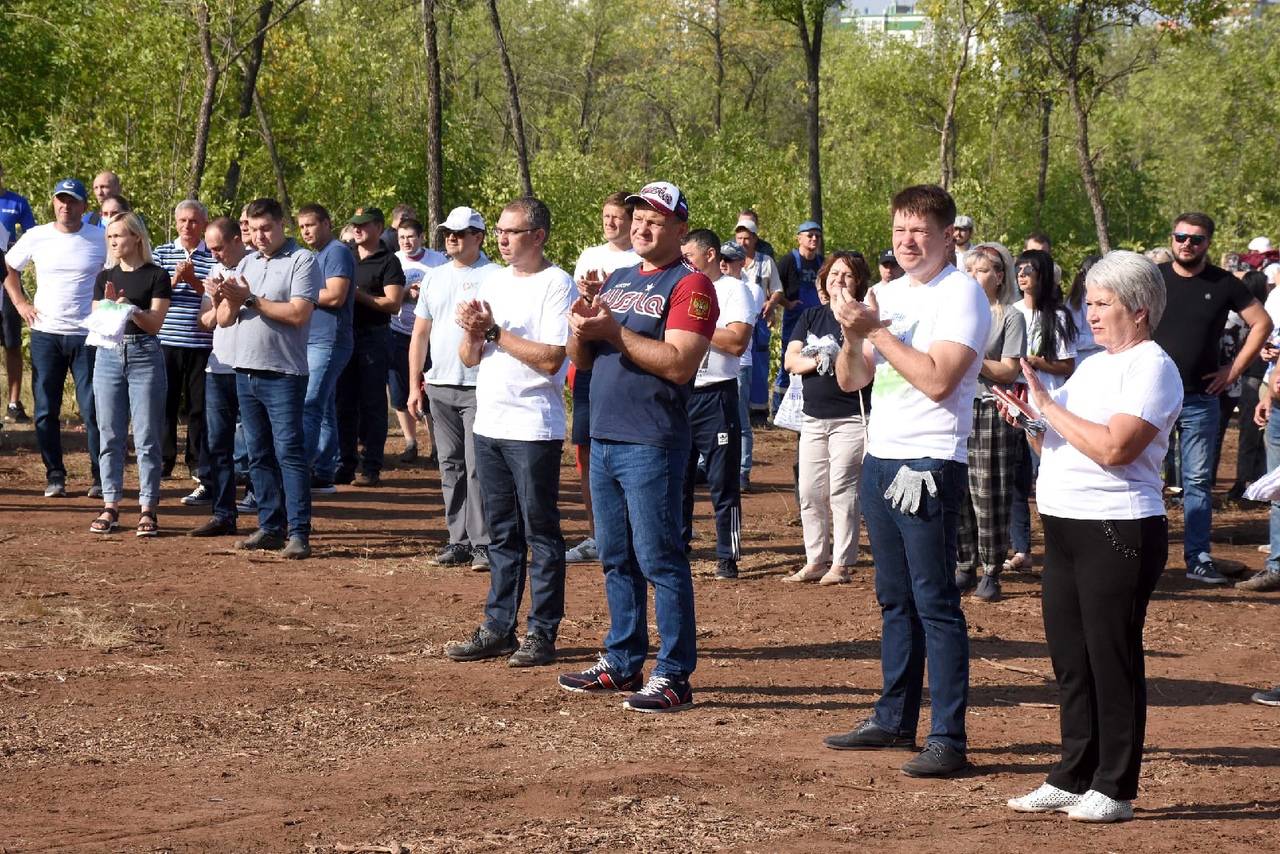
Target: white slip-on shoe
<point>1098,808</point>
<point>1047,798</point>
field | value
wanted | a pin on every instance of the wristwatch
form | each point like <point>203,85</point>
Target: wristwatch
<point>491,334</point>
<point>250,301</point>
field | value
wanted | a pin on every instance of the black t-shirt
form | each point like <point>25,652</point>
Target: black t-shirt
<point>373,274</point>
<point>823,397</point>
<point>140,286</point>
<point>1194,318</point>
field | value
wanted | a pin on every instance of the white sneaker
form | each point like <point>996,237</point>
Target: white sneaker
<point>583,552</point>
<point>1097,807</point>
<point>1047,798</point>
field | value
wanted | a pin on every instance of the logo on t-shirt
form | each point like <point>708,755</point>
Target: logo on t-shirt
<point>699,306</point>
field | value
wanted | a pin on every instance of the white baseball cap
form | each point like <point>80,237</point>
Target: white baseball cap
<point>1260,244</point>
<point>460,219</point>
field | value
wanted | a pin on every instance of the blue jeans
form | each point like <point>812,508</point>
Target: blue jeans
<point>521,486</point>
<point>915,558</point>
<point>271,412</point>
<point>1198,427</point>
<point>130,380</point>
<point>221,409</point>
<point>362,402</point>
<point>51,357</point>
<point>320,411</point>
<point>1026,468</point>
<point>637,492</point>
<point>744,416</point>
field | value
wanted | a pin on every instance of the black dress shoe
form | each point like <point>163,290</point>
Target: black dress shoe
<point>868,736</point>
<point>213,527</point>
<point>936,760</point>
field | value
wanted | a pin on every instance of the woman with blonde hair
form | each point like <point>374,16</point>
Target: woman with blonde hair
<point>983,531</point>
<point>129,379</point>
<point>833,433</point>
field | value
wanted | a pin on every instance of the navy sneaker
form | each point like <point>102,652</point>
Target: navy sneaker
<point>662,694</point>
<point>601,678</point>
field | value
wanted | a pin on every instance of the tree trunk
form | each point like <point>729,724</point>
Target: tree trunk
<point>282,188</point>
<point>813,57</point>
<point>248,93</point>
<point>435,125</point>
<point>1086,168</point>
<point>200,150</point>
<point>1046,107</point>
<point>947,146</point>
<point>513,102</point>
<point>717,38</point>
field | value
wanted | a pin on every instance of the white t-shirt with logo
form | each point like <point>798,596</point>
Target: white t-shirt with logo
<point>1065,349</point>
<point>905,423</point>
<point>735,307</point>
<point>1141,381</point>
<point>66,267</point>
<point>415,270</point>
<point>442,289</point>
<point>513,400</point>
<point>604,258</point>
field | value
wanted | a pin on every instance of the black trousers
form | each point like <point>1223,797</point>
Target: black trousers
<point>184,367</point>
<point>717,436</point>
<point>1098,578</point>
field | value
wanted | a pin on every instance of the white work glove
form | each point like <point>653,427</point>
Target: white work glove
<point>824,351</point>
<point>905,491</point>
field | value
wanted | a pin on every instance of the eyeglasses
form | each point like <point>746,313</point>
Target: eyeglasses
<point>511,232</point>
<point>1193,239</point>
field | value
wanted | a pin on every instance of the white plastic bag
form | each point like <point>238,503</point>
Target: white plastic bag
<point>790,413</point>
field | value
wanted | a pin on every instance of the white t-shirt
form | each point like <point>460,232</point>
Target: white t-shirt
<point>66,267</point>
<point>513,400</point>
<point>1141,381</point>
<point>442,289</point>
<point>1085,345</point>
<point>414,272</point>
<point>604,258</point>
<point>222,358</point>
<point>756,294</point>
<point>735,307</point>
<point>906,424</point>
<point>1064,348</point>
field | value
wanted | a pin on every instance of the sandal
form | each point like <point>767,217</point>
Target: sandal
<point>147,525</point>
<point>1020,560</point>
<point>108,525</point>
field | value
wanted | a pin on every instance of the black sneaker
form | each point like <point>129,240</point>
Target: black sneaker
<point>936,760</point>
<point>868,736</point>
<point>744,484</point>
<point>410,454</point>
<point>1267,698</point>
<point>199,497</point>
<point>16,413</point>
<point>55,486</point>
<point>261,540</point>
<point>454,554</point>
<point>602,678</point>
<point>483,644</point>
<point>966,580</point>
<point>988,589</point>
<point>343,477</point>
<point>322,486</point>
<point>661,694</point>
<point>213,527</point>
<point>535,650</point>
<point>726,570</point>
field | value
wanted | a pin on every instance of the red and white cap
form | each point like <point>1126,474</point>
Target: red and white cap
<point>664,198</point>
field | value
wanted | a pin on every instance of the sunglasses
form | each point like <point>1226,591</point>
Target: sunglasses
<point>466,232</point>
<point>1026,270</point>
<point>1193,239</point>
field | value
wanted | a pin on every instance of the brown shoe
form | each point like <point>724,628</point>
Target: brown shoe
<point>213,527</point>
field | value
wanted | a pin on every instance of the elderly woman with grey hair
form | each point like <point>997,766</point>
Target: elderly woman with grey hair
<point>1106,431</point>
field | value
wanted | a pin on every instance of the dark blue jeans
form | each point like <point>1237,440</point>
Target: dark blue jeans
<point>51,357</point>
<point>271,413</point>
<point>717,436</point>
<point>521,486</point>
<point>221,409</point>
<point>362,402</point>
<point>915,557</point>
<point>637,491</point>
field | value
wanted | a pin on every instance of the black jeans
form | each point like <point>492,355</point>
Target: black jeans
<point>184,367</point>
<point>1098,579</point>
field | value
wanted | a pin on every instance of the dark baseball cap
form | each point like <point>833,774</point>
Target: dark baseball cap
<point>366,215</point>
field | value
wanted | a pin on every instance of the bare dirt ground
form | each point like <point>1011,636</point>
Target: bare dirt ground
<point>172,695</point>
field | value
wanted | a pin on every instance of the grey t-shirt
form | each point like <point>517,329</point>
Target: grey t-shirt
<point>1008,338</point>
<point>268,345</point>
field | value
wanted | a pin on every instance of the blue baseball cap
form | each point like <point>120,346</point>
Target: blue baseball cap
<point>731,251</point>
<point>71,187</point>
<point>808,225</point>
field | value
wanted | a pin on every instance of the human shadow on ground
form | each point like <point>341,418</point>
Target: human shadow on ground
<point>1256,810</point>
<point>1233,756</point>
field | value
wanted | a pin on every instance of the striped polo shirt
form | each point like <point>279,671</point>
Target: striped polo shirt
<point>181,327</point>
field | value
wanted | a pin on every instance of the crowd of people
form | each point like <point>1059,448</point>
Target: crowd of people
<point>928,403</point>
